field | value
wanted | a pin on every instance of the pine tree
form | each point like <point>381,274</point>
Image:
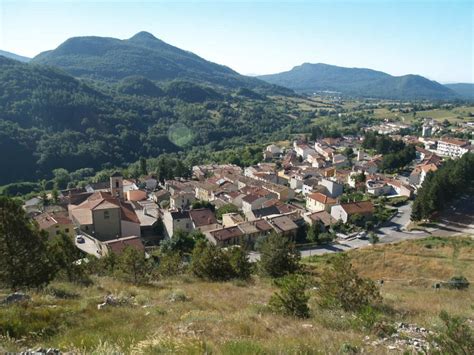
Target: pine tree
<point>278,256</point>
<point>24,260</point>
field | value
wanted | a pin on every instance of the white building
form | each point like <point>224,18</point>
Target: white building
<point>452,147</point>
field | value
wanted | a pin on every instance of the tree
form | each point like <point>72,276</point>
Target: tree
<point>314,230</point>
<point>55,194</point>
<point>291,299</point>
<point>278,256</point>
<point>134,265</point>
<point>227,208</point>
<point>210,262</point>
<point>61,178</point>
<point>24,259</point>
<point>65,255</point>
<point>143,166</point>
<point>181,241</point>
<point>342,287</point>
<point>170,264</point>
<point>240,263</point>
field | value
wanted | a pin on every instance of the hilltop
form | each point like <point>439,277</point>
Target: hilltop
<point>183,314</point>
<point>358,82</point>
<point>14,56</point>
<point>112,59</point>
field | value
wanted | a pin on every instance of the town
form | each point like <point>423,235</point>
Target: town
<point>327,191</point>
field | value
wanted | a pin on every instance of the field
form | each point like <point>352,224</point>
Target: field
<point>185,315</point>
<point>455,115</point>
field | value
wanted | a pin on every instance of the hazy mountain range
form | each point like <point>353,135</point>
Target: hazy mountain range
<point>14,56</point>
<point>310,78</point>
<point>144,55</point>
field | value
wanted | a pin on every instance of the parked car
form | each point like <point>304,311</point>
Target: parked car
<point>80,239</point>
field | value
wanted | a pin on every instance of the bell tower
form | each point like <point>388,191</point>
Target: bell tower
<point>116,185</point>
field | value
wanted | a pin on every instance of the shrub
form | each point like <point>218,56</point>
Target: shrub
<point>240,263</point>
<point>458,283</point>
<point>291,299</point>
<point>278,256</point>
<point>342,287</point>
<point>170,265</point>
<point>455,337</point>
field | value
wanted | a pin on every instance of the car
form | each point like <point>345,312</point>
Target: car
<point>80,239</point>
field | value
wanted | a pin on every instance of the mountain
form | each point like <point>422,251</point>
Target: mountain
<point>14,56</point>
<point>466,90</point>
<point>143,55</point>
<point>310,78</point>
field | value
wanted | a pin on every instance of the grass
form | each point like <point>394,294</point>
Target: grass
<point>231,317</point>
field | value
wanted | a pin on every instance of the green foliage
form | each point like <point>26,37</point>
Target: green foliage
<point>215,264</point>
<point>458,283</point>
<point>133,265</point>
<point>24,257</point>
<point>310,78</point>
<point>342,287</point>
<point>291,299</point>
<point>140,86</point>
<point>228,208</point>
<point>456,336</point>
<point>64,255</point>
<point>170,264</point>
<point>278,256</point>
<point>181,242</point>
<point>439,188</point>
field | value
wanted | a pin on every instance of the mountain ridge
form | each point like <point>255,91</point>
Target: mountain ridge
<point>112,59</point>
<point>14,56</point>
<point>361,82</point>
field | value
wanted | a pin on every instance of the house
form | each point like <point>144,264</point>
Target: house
<point>231,219</point>
<point>33,205</point>
<point>160,196</point>
<point>150,181</point>
<point>262,212</point>
<point>325,150</point>
<point>332,188</point>
<point>319,202</point>
<point>453,147</point>
<point>322,217</point>
<point>344,211</point>
<point>311,184</point>
<point>225,236</point>
<point>105,217</point>
<point>136,195</point>
<point>284,225</point>
<point>283,193</point>
<point>55,223</point>
<point>316,160</point>
<point>252,202</point>
<point>339,160</point>
<point>204,191</point>
<point>177,220</point>
<point>302,149</point>
<point>117,246</point>
<point>203,219</point>
<point>272,151</point>
<point>128,185</point>
<point>182,200</point>
<point>418,175</point>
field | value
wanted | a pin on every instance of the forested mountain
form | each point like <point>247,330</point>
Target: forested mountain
<point>10,55</point>
<point>466,90</point>
<point>49,119</point>
<point>310,78</point>
<point>143,54</point>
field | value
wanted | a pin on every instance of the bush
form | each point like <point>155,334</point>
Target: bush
<point>458,283</point>
<point>170,265</point>
<point>342,287</point>
<point>291,299</point>
<point>278,256</point>
<point>455,337</point>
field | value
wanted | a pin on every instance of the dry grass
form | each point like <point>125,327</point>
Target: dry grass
<point>230,318</point>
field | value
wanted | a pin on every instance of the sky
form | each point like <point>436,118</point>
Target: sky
<point>433,38</point>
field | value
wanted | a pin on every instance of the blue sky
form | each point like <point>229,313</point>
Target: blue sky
<point>432,38</point>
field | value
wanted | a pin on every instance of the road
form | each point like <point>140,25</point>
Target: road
<point>457,220</point>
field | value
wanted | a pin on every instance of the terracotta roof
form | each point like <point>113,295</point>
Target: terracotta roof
<point>284,223</point>
<point>266,211</point>
<point>226,233</point>
<point>251,198</point>
<point>46,220</point>
<point>202,217</point>
<point>322,198</point>
<point>117,246</point>
<point>128,214</point>
<point>179,214</point>
<point>454,141</point>
<point>263,225</point>
<point>428,167</point>
<point>324,217</point>
<point>361,207</point>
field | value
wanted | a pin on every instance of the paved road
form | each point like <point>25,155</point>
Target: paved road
<point>458,220</point>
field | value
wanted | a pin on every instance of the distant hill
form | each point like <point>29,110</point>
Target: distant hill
<point>466,90</point>
<point>310,78</point>
<point>144,55</point>
<point>14,56</point>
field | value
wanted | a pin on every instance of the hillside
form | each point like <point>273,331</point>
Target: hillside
<point>14,56</point>
<point>144,55</point>
<point>182,314</point>
<point>49,119</point>
<point>466,90</point>
<point>310,78</point>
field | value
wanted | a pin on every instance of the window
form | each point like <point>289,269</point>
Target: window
<point>106,214</point>
<point>67,230</point>
<point>116,183</point>
<point>57,232</point>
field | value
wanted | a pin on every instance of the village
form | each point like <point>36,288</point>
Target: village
<point>331,191</point>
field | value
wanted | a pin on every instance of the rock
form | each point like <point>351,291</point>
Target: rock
<point>15,298</point>
<point>307,325</point>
